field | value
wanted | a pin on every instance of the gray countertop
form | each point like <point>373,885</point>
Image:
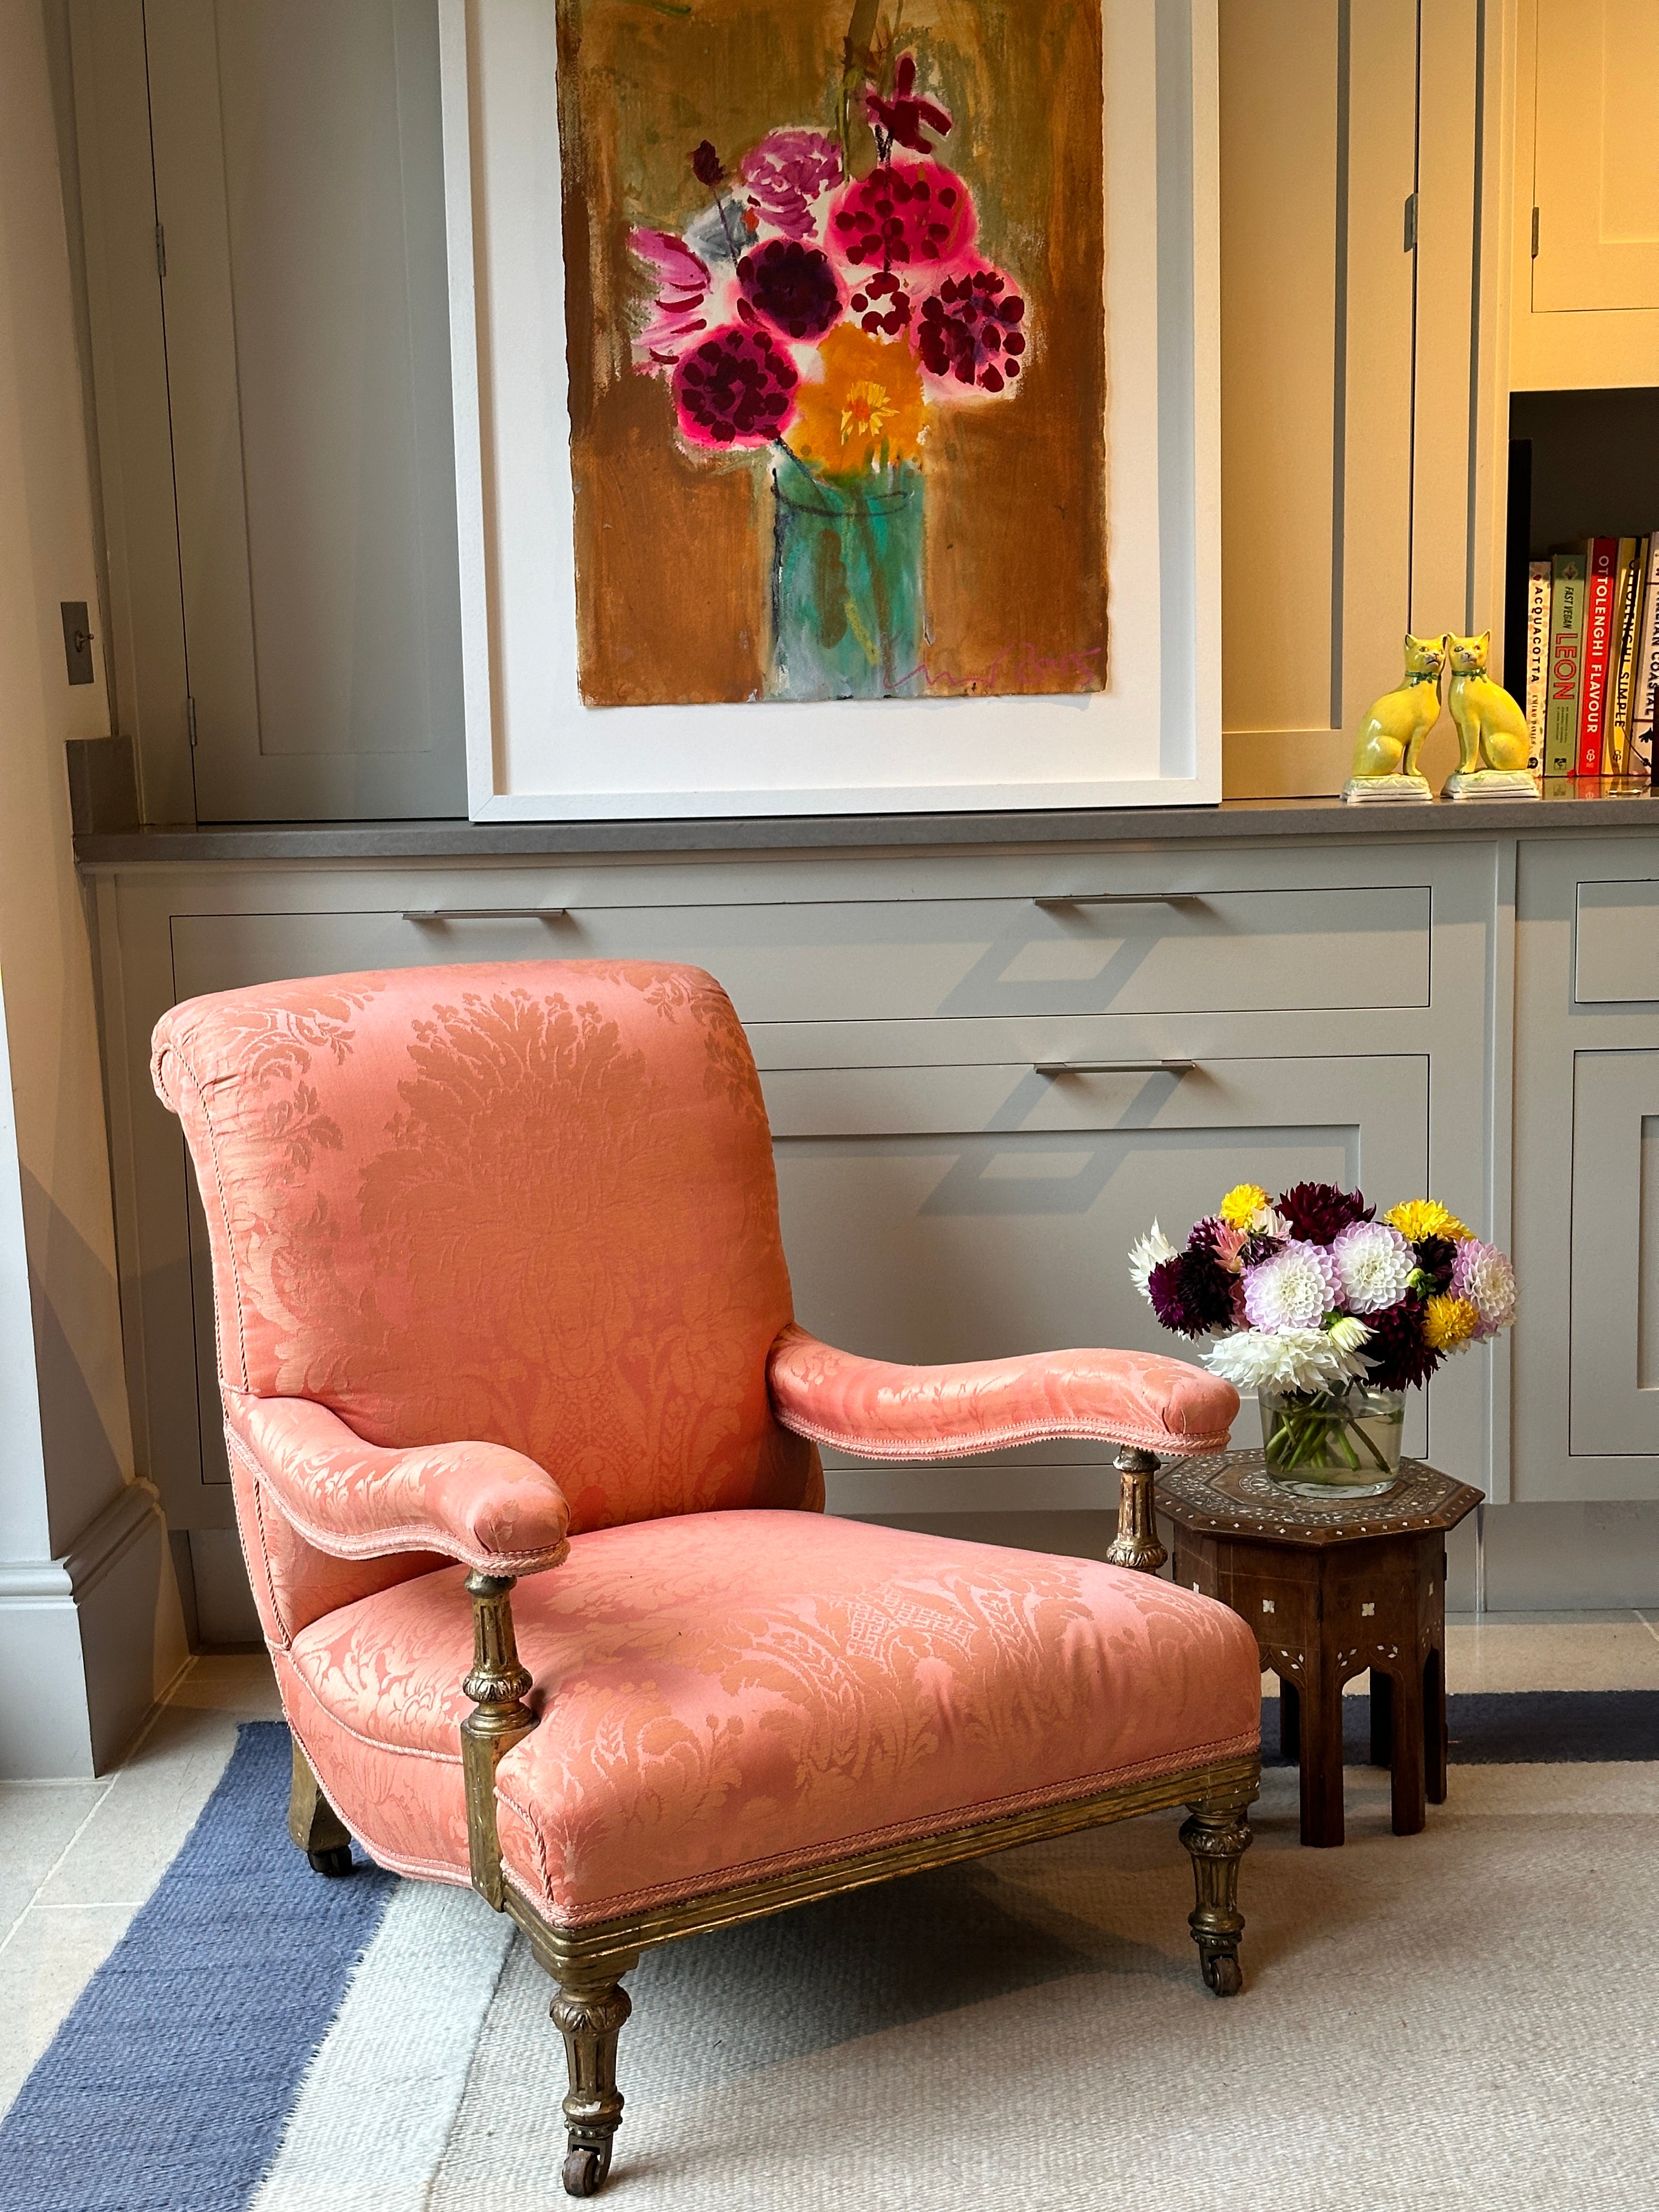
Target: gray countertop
<point>1564,807</point>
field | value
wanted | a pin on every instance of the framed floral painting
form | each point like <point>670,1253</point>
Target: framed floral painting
<point>835,400</point>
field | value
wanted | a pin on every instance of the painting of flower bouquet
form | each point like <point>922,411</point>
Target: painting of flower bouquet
<point>1329,1315</point>
<point>854,448</point>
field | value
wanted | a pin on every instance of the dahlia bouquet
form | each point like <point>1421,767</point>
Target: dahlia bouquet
<point>1328,1313</point>
<point>827,294</point>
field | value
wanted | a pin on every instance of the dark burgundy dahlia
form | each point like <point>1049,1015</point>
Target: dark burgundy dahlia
<point>1192,1294</point>
<point>1435,1257</point>
<point>1318,1212</point>
<point>968,330</point>
<point>736,388</point>
<point>1398,1357</point>
<point>790,286</point>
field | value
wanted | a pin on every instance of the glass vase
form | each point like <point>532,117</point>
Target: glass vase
<point>846,599</point>
<point>1339,1442</point>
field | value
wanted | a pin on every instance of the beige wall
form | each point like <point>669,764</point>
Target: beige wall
<point>61,1161</point>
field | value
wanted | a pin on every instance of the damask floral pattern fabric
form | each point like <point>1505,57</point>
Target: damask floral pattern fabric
<point>531,1206</point>
<point>885,1412</point>
<point>723,1695</point>
<point>490,1508</point>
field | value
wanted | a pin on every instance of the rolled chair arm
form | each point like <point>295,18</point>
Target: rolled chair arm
<point>879,1411</point>
<point>490,1508</point>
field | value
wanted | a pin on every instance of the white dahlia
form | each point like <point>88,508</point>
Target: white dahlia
<point>1375,1263</point>
<point>1483,1275</point>
<point>1282,1358</point>
<point>1295,1289</point>
<point>1146,1253</point>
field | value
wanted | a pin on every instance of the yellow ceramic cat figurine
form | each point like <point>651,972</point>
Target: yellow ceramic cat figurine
<point>1391,736</point>
<point>1492,729</point>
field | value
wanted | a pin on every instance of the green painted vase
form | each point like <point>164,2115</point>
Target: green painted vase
<point>846,596</point>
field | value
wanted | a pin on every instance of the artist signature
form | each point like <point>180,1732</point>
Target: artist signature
<point>1017,668</point>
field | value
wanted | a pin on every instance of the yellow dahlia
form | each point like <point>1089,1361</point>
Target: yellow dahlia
<point>1418,1217</point>
<point>1242,1204</point>
<point>1449,1323</point>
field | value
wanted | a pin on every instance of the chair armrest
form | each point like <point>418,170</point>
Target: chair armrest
<point>880,1411</point>
<point>492,1509</point>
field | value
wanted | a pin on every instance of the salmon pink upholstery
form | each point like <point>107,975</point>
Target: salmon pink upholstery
<point>732,1695</point>
<point>498,1281</point>
<point>530,1205</point>
<point>879,1411</point>
<point>488,1507</point>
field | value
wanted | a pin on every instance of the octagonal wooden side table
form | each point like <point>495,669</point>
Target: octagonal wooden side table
<point>1331,1587</point>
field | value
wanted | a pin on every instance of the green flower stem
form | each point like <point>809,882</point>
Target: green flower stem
<point>1309,1433</point>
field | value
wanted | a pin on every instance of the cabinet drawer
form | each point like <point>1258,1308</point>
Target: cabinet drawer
<point>895,958</point>
<point>946,1214</point>
<point>1616,942</point>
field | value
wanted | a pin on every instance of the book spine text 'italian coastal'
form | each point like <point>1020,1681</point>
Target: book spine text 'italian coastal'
<point>1644,704</point>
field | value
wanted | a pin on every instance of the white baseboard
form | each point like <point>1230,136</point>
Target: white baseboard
<point>86,1642</point>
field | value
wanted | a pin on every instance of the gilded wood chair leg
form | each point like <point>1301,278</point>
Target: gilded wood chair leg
<point>1136,1544</point>
<point>1217,1837</point>
<point>313,1824</point>
<point>500,1719</point>
<point>590,2016</point>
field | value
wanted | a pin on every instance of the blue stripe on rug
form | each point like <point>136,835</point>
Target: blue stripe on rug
<point>168,2088</point>
<point>1511,1728</point>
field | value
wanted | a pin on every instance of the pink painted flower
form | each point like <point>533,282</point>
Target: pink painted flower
<point>909,215</point>
<point>786,174</point>
<point>902,120</point>
<point>679,313</point>
<point>1296,1289</point>
<point>736,387</point>
<point>968,330</point>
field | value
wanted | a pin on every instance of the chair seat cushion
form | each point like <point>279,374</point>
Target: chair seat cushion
<point>726,1695</point>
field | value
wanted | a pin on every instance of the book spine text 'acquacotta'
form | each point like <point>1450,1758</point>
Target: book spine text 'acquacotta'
<point>1538,660</point>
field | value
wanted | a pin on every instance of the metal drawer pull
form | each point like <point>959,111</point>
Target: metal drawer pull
<point>485,913</point>
<point>1113,1066</point>
<point>1119,898</point>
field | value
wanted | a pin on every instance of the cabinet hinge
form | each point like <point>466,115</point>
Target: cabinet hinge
<point>161,252</point>
<point>190,715</point>
<point>1411,223</point>
<point>1535,233</point>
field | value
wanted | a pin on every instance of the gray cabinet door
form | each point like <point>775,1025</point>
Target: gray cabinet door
<point>298,180</point>
<point>947,1214</point>
<point>1614,1379</point>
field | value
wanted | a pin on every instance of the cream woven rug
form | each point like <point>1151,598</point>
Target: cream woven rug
<point>1467,2018</point>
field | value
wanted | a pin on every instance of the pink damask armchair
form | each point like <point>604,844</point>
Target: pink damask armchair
<point>500,1299</point>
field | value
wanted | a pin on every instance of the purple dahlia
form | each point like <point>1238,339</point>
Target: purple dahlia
<point>736,388</point>
<point>969,330</point>
<point>790,286</point>
<point>1436,1256</point>
<point>1191,1294</point>
<point>1398,1357</point>
<point>1319,1212</point>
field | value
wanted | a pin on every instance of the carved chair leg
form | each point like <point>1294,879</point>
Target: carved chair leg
<point>313,1824</point>
<point>590,2016</point>
<point>1217,1837</point>
<point>1136,1544</point>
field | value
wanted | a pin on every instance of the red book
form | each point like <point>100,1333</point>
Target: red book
<point>1599,588</point>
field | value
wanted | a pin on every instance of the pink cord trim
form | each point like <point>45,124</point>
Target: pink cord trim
<point>896,1449</point>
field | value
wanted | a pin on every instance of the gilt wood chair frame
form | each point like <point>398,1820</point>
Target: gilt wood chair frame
<point>590,2008</point>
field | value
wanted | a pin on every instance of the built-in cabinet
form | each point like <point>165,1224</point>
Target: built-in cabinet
<point>985,1078</point>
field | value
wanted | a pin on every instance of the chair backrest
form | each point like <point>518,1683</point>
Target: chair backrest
<point>531,1204</point>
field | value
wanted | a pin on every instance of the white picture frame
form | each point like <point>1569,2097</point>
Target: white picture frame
<point>536,753</point>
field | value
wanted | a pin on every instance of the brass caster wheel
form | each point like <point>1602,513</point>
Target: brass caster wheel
<point>336,1859</point>
<point>1222,1973</point>
<point>585,2169</point>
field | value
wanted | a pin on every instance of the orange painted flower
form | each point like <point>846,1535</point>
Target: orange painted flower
<point>867,413</point>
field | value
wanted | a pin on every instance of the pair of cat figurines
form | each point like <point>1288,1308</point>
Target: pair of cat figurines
<point>1492,729</point>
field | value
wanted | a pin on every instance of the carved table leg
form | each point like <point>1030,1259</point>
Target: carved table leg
<point>1405,1754</point>
<point>1289,1719</point>
<point>1136,1543</point>
<point>312,1822</point>
<point>1382,1718</point>
<point>591,2015</point>
<point>1321,1759</point>
<point>1434,1727</point>
<point>1217,1837</point>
